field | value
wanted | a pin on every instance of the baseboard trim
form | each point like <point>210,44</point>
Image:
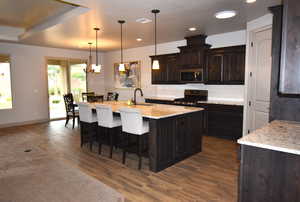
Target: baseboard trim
<point>9,125</point>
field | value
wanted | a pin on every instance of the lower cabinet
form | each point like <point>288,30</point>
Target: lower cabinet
<point>268,175</point>
<point>225,121</point>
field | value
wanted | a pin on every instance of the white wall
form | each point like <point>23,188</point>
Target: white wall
<point>142,53</point>
<point>29,81</point>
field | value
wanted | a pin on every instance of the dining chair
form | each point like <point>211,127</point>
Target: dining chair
<point>71,112</point>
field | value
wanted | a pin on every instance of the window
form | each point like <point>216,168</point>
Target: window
<point>5,83</point>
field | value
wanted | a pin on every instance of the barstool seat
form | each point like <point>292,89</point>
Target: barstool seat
<point>133,124</point>
<point>107,120</point>
<point>88,124</point>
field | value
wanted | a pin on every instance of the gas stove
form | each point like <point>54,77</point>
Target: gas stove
<point>191,97</point>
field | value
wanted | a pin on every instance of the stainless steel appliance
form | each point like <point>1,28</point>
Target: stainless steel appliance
<point>191,97</point>
<point>192,76</point>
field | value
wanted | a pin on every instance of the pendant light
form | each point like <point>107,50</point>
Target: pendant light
<point>89,66</point>
<point>122,65</point>
<point>155,64</point>
<point>96,67</point>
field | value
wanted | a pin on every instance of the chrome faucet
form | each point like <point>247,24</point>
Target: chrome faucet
<point>137,89</point>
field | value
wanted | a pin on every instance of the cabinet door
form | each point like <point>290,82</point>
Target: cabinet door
<point>181,137</point>
<point>159,76</point>
<point>214,69</point>
<point>234,68</point>
<point>173,73</point>
<point>190,58</point>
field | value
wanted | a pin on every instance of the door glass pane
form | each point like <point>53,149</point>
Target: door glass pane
<point>57,87</point>
<point>77,80</point>
<point>5,83</point>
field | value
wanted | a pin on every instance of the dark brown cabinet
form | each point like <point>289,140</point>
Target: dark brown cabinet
<point>289,82</point>
<point>221,65</point>
<point>191,58</point>
<point>224,121</point>
<point>168,72</point>
<point>225,65</point>
<point>268,175</point>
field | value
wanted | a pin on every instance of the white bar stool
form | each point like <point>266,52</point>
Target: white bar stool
<point>107,120</point>
<point>133,124</point>
<point>88,124</point>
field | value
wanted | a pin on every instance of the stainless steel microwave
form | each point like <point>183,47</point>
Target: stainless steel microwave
<point>192,75</point>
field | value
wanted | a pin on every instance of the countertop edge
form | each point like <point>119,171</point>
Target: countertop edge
<point>270,147</point>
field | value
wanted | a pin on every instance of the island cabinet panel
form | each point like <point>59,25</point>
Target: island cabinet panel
<point>174,139</point>
<point>225,65</point>
<point>168,72</point>
<point>267,175</point>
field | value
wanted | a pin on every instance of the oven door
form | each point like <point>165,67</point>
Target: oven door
<point>192,76</point>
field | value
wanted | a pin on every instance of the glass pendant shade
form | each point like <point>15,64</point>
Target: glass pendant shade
<point>155,64</point>
<point>122,67</point>
<point>96,68</point>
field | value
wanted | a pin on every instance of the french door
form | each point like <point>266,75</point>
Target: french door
<point>64,76</point>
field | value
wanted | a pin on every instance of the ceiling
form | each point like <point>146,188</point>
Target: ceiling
<point>173,22</point>
<point>27,13</point>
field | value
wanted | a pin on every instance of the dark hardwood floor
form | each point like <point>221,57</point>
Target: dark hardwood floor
<point>208,176</point>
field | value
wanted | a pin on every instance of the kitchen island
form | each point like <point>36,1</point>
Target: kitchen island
<point>175,131</point>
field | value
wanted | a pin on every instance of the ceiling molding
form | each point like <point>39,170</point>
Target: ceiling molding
<point>10,33</point>
<point>52,21</point>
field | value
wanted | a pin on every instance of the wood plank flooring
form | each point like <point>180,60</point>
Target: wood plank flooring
<point>208,176</point>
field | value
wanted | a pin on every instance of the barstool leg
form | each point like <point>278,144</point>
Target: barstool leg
<point>111,141</point>
<point>124,149</point>
<point>140,151</point>
<point>99,140</point>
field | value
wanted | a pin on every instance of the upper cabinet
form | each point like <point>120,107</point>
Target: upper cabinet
<point>220,66</point>
<point>168,72</point>
<point>289,82</point>
<point>225,65</point>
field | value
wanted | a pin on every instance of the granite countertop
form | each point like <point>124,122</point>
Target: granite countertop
<point>283,136</point>
<point>210,101</point>
<point>223,102</point>
<point>153,111</point>
<point>162,98</point>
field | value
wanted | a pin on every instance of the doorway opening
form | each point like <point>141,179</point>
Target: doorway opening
<point>64,76</point>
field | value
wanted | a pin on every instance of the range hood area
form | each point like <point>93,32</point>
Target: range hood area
<point>192,56</point>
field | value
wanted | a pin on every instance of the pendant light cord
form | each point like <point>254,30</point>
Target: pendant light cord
<point>96,47</point>
<point>155,30</point>
<point>121,25</point>
<point>121,43</point>
<point>155,12</point>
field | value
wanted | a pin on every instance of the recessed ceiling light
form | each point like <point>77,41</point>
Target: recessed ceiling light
<point>143,20</point>
<point>139,39</point>
<point>225,14</point>
<point>250,1</point>
<point>192,29</point>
